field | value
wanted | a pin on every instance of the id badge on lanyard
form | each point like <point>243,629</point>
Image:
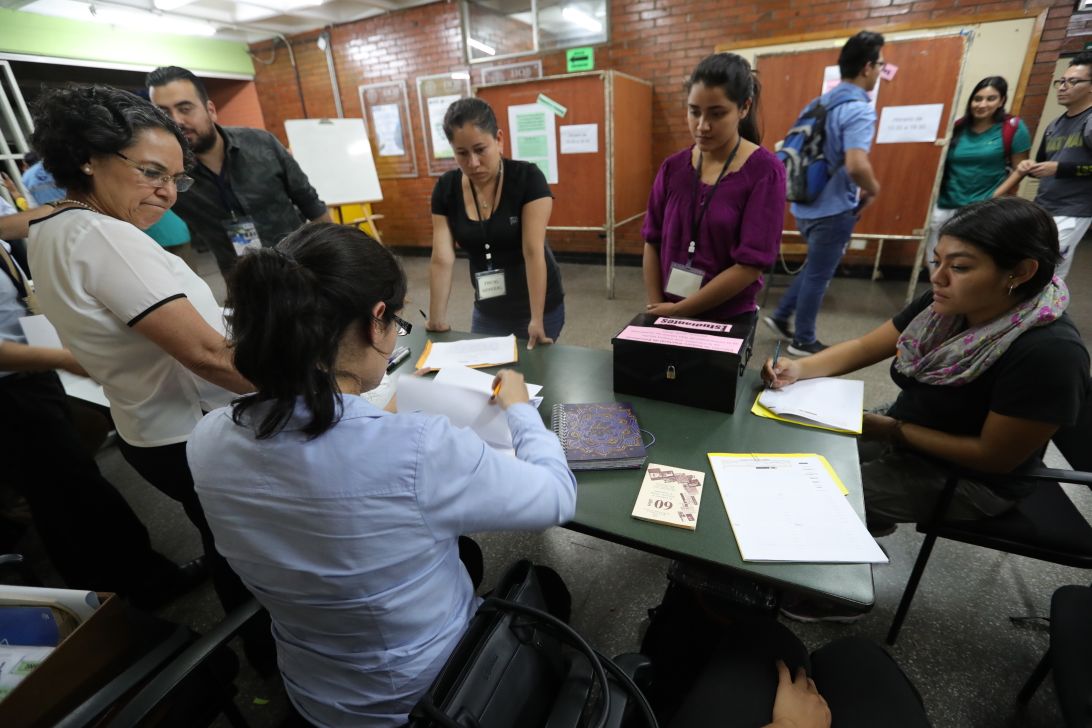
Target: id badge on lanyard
<point>685,280</point>
<point>488,283</point>
<point>243,234</point>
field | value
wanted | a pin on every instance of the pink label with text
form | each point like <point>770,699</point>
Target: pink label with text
<point>681,338</point>
<point>693,324</point>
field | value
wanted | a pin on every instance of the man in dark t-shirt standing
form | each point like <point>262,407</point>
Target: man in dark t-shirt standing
<point>1063,164</point>
<point>248,191</point>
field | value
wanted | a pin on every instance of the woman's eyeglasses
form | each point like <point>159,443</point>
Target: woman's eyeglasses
<point>157,179</point>
<point>404,327</point>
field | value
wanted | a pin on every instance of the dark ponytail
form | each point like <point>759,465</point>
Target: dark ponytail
<point>291,305</point>
<point>732,74</point>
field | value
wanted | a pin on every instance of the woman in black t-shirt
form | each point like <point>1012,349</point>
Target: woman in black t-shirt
<point>496,210</point>
<point>989,365</point>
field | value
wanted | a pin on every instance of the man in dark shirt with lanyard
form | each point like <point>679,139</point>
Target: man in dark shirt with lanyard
<point>248,191</point>
<point>1064,161</point>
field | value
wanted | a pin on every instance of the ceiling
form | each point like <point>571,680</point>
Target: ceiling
<point>248,21</point>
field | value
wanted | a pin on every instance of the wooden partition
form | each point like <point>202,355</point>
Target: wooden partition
<point>928,73</point>
<point>599,191</point>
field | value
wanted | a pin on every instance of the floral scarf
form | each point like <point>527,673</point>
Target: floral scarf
<point>935,349</point>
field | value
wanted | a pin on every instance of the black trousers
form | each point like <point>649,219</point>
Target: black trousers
<point>166,468</point>
<point>90,533</point>
<point>862,685</point>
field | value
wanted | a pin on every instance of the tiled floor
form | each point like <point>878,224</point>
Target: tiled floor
<point>958,644</point>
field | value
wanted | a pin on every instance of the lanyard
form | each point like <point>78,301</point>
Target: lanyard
<point>699,214</point>
<point>17,278</point>
<point>228,198</point>
<point>478,209</point>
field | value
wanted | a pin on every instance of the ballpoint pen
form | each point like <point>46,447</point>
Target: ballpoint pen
<point>773,362</point>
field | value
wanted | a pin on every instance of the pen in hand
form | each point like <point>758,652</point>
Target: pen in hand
<point>773,362</point>
<point>496,390</point>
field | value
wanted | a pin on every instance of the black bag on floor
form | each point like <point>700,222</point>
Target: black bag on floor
<point>516,668</point>
<point>710,603</point>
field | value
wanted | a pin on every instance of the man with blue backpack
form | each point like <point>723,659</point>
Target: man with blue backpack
<point>830,181</point>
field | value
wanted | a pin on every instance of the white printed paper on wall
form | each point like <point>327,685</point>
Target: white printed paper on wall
<point>899,124</point>
<point>579,139</point>
<point>437,107</point>
<point>388,130</point>
<point>534,137</point>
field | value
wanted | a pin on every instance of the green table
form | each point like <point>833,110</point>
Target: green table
<point>683,437</point>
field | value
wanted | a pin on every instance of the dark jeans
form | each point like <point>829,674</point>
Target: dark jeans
<point>166,468</point>
<point>552,321</point>
<point>90,533</point>
<point>827,239</point>
<point>861,683</point>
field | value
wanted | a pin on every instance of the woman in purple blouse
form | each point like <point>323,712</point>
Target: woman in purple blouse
<point>716,210</point>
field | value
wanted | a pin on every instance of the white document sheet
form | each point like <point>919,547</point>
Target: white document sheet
<point>789,509</point>
<point>828,401</point>
<point>460,397</point>
<point>490,351</point>
<point>901,124</point>
<point>40,332</point>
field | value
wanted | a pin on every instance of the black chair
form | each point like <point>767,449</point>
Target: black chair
<point>1069,657</point>
<point>1044,525</point>
<point>190,662</point>
<point>156,675</point>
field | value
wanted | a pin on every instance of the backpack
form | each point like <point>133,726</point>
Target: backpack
<point>807,170</point>
<point>1008,132</point>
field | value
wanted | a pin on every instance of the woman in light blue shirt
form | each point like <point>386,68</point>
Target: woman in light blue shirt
<point>341,518</point>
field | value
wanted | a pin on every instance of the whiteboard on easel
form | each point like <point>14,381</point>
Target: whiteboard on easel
<point>336,156</point>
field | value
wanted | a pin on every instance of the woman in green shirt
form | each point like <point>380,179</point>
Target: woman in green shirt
<point>986,144</point>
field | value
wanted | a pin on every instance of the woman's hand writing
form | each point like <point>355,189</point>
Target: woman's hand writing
<point>786,372</point>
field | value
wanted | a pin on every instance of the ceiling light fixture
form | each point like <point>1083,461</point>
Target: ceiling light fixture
<point>581,19</point>
<point>478,45</point>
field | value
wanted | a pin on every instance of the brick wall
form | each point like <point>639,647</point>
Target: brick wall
<point>236,102</point>
<point>657,40</point>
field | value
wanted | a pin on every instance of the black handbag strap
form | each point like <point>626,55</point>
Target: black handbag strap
<point>566,634</point>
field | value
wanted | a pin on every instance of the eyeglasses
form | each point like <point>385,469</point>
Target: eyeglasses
<point>157,179</point>
<point>404,327</point>
<point>1059,82</point>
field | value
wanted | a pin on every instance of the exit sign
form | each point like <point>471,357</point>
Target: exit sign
<point>580,59</point>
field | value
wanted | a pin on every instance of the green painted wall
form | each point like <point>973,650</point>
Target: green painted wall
<point>43,35</point>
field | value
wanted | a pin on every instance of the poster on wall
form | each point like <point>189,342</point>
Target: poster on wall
<point>437,107</point>
<point>435,94</point>
<point>534,137</point>
<point>390,130</point>
<point>917,123</point>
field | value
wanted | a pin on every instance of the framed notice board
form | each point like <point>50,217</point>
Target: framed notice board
<point>390,128</point>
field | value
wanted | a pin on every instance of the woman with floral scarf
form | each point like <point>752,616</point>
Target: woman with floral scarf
<point>988,364</point>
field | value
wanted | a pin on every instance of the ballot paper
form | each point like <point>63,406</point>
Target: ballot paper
<point>827,402</point>
<point>463,396</point>
<point>788,508</point>
<point>40,332</point>
<point>488,352</point>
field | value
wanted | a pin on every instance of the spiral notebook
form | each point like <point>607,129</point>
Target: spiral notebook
<point>602,436</point>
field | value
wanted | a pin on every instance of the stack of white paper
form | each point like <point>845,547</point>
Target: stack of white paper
<point>790,509</point>
<point>487,352</point>
<point>463,396</point>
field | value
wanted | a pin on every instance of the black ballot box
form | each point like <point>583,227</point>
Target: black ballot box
<point>669,359</point>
